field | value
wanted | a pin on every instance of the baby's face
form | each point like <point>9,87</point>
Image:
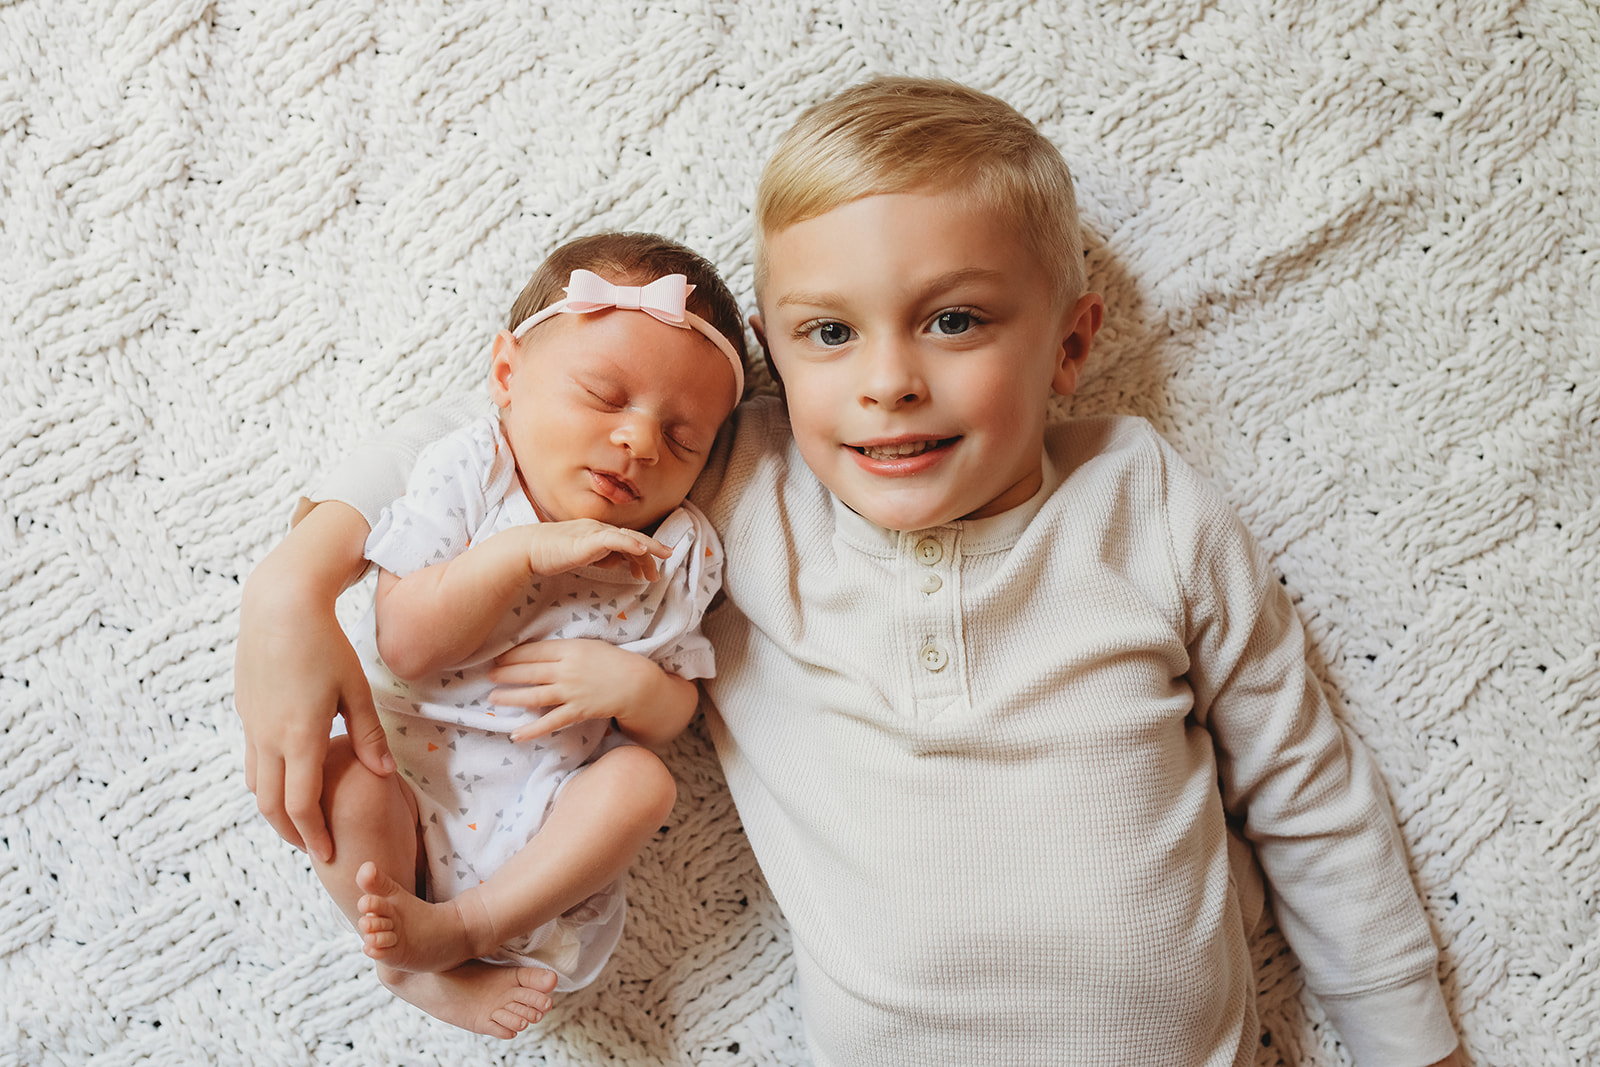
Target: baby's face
<point>918,341</point>
<point>610,415</point>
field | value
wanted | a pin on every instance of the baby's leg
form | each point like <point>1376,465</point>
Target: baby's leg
<point>603,817</point>
<point>373,821</point>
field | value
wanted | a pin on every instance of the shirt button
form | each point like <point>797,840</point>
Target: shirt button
<point>930,582</point>
<point>929,551</point>
<point>933,657</point>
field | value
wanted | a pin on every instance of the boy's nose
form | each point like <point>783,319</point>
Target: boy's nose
<point>892,378</point>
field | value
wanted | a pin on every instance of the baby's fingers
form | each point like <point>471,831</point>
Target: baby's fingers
<point>547,724</point>
<point>643,546</point>
<point>642,567</point>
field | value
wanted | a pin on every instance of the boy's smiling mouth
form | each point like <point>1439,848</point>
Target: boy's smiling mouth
<point>890,451</point>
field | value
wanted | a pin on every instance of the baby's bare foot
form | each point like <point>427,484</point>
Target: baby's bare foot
<point>403,931</point>
<point>477,996</point>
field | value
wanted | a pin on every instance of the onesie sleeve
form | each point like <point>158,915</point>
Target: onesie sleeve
<point>446,501</point>
<point>1308,793</point>
<point>689,580</point>
<point>376,472</point>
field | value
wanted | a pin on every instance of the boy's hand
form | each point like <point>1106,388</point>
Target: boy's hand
<point>294,671</point>
<point>558,547</point>
<point>581,678</point>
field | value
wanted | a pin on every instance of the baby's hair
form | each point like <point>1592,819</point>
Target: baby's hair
<point>633,259</point>
<point>901,135</point>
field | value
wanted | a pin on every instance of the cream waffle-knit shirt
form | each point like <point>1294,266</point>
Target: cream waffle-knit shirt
<point>989,769</point>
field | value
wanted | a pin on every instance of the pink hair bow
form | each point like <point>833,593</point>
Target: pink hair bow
<point>662,299</point>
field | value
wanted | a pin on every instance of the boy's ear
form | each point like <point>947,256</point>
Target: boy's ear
<point>500,368</point>
<point>766,351</point>
<point>1082,323</point>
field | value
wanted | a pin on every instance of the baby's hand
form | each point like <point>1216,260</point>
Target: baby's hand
<point>558,547</point>
<point>573,680</point>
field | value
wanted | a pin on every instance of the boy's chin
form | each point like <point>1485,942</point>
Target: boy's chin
<point>903,515</point>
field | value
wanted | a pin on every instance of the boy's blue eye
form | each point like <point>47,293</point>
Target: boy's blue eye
<point>952,322</point>
<point>830,334</point>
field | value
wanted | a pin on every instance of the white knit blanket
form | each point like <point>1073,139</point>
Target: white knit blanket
<point>1349,251</point>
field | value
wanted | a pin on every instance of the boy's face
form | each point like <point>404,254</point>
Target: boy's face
<point>611,414</point>
<point>918,341</point>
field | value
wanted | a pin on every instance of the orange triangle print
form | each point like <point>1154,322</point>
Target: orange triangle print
<point>432,747</point>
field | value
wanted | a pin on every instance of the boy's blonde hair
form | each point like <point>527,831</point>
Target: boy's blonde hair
<point>633,259</point>
<point>899,135</point>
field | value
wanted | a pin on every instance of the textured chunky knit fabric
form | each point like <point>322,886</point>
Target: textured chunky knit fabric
<point>1348,253</point>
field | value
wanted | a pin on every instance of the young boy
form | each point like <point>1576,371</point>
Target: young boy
<point>992,693</point>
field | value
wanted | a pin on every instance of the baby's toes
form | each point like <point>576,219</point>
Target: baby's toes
<point>372,921</point>
<point>531,1009</point>
<point>515,1017</point>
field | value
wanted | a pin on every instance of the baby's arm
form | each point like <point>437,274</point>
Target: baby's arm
<point>588,679</point>
<point>437,616</point>
<point>647,684</point>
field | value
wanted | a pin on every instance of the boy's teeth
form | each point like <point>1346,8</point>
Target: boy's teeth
<point>895,451</point>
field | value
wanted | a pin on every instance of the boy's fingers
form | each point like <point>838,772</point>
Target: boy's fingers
<point>269,801</point>
<point>250,765</point>
<point>302,800</point>
<point>366,731</point>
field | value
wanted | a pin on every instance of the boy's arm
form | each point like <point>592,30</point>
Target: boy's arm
<point>1311,798</point>
<point>294,669</point>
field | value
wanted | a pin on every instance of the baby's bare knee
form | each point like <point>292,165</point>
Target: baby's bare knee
<point>650,783</point>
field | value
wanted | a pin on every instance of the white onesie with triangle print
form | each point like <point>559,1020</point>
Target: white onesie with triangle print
<point>480,795</point>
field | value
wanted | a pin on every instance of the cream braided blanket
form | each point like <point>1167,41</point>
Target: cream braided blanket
<point>1350,255</point>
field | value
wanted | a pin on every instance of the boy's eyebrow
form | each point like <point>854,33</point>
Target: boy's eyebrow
<point>942,283</point>
<point>954,278</point>
<point>812,299</point>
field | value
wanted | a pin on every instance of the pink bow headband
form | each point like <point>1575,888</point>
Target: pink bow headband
<point>662,300</point>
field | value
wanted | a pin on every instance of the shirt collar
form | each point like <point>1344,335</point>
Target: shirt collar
<point>996,533</point>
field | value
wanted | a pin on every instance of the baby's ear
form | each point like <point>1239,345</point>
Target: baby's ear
<point>501,366</point>
<point>1081,324</point>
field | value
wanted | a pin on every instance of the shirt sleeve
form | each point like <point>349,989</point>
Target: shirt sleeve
<point>448,496</point>
<point>1306,791</point>
<point>376,472</point>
